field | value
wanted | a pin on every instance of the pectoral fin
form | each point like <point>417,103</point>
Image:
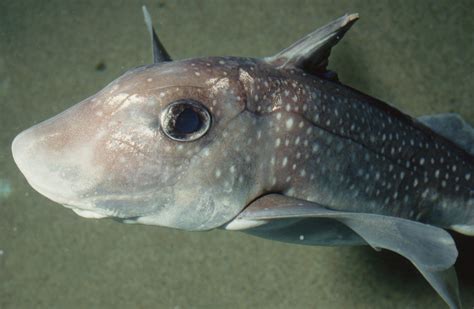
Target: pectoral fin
<point>430,249</point>
<point>305,231</point>
<point>445,282</point>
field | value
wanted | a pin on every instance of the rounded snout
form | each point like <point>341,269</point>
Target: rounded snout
<point>56,156</point>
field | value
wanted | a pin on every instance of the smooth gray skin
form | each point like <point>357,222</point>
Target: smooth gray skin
<point>326,143</point>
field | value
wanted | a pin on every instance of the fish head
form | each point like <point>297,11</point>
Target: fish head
<point>155,146</point>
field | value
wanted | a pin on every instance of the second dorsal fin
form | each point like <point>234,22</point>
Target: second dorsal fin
<point>311,53</point>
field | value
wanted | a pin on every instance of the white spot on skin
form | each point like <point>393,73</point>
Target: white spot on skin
<point>197,73</point>
<point>285,161</point>
<point>218,173</point>
<point>301,237</point>
<point>425,193</point>
<point>289,123</point>
<point>277,142</point>
<point>149,79</point>
<point>232,169</point>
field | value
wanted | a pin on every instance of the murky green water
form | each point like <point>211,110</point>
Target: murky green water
<point>415,54</point>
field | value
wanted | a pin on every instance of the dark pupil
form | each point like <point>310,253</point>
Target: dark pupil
<point>188,121</point>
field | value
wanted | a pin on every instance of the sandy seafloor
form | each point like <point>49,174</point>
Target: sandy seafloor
<point>418,55</point>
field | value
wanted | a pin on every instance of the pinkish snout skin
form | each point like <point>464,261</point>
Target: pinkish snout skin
<point>108,157</point>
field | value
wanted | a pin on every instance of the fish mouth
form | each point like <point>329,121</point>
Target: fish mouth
<point>86,213</point>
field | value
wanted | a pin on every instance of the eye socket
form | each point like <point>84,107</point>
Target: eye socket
<point>185,120</point>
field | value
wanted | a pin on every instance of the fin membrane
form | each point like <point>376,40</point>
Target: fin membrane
<point>452,127</point>
<point>430,249</point>
<point>445,282</point>
<point>159,52</point>
<point>307,231</point>
<point>311,53</point>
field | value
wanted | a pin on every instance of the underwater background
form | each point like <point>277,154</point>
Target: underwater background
<point>416,55</point>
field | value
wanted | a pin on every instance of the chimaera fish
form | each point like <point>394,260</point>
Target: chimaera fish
<point>276,147</point>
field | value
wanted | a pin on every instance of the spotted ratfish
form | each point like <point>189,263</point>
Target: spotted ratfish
<point>275,147</point>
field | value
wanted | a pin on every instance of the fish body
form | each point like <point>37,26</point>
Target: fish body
<point>336,146</point>
<point>276,147</point>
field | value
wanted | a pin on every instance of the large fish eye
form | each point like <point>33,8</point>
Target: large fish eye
<point>185,120</point>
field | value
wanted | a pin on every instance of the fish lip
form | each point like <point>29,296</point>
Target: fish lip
<point>86,213</point>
